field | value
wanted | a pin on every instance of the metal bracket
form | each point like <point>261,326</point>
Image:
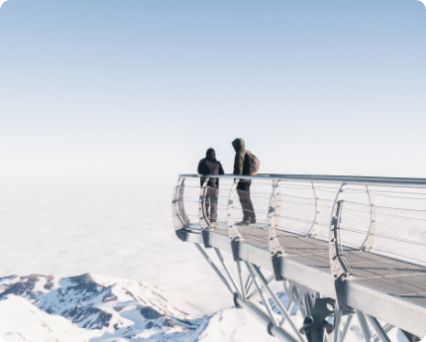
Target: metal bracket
<point>410,337</point>
<point>235,247</point>
<point>317,310</point>
<point>237,305</point>
<point>277,266</point>
<point>306,299</point>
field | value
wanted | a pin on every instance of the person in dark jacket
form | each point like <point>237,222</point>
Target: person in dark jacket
<point>242,167</point>
<point>210,166</point>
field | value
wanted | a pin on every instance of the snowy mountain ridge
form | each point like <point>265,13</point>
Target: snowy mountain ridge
<point>94,308</point>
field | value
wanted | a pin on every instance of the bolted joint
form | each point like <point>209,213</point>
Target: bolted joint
<point>235,246</point>
<point>237,305</point>
<point>277,266</point>
<point>314,331</point>
<point>269,329</point>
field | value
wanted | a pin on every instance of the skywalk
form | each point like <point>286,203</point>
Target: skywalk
<point>340,246</point>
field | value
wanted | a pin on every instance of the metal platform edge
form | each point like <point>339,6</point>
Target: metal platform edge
<point>394,310</point>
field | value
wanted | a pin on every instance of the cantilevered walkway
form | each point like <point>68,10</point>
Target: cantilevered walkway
<point>341,246</point>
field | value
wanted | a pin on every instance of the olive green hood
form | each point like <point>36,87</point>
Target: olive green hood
<point>239,145</point>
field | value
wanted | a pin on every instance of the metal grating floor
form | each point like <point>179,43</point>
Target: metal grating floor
<point>382,273</point>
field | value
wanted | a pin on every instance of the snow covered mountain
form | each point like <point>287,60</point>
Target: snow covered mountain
<point>94,308</point>
<point>22,321</point>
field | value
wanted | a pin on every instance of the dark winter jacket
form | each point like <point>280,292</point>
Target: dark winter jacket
<point>242,162</point>
<point>210,166</point>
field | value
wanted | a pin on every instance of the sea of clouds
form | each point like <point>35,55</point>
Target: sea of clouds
<point>116,228</point>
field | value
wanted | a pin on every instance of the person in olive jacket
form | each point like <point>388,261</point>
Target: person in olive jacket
<point>210,166</point>
<point>242,167</point>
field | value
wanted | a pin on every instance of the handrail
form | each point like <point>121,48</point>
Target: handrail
<point>335,207</point>
<point>394,181</point>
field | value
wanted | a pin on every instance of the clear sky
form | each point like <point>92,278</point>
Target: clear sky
<point>144,87</point>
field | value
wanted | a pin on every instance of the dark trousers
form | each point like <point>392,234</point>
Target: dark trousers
<point>211,201</point>
<point>243,190</point>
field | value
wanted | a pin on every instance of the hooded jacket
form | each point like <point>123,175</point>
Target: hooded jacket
<point>210,166</point>
<point>241,163</point>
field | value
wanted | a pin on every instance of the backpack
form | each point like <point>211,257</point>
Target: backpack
<point>253,162</point>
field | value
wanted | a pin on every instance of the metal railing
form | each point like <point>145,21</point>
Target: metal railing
<point>303,204</point>
<point>365,230</point>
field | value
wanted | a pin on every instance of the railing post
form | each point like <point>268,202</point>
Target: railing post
<point>370,239</point>
<point>234,234</point>
<point>178,209</point>
<point>275,247</point>
<point>203,216</point>
<point>339,268</point>
<point>313,232</point>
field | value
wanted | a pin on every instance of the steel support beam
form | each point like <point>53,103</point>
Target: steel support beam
<point>278,303</point>
<point>255,291</point>
<point>258,313</point>
<point>265,301</point>
<point>337,320</point>
<point>228,272</point>
<point>253,308</point>
<point>378,328</point>
<point>346,328</point>
<point>211,263</point>
<point>249,283</point>
<point>386,328</point>
<point>364,326</point>
<point>240,276</point>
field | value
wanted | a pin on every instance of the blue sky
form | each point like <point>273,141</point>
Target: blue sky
<point>103,88</point>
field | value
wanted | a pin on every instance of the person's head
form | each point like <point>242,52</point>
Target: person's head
<point>211,154</point>
<point>239,144</point>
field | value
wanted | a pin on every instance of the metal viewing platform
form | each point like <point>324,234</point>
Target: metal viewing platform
<point>341,246</point>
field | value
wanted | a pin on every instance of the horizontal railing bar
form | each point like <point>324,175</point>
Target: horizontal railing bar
<point>391,215</point>
<point>354,230</point>
<point>310,204</point>
<point>395,181</point>
<point>390,193</point>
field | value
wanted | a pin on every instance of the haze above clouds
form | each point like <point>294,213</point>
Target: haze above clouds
<point>145,87</point>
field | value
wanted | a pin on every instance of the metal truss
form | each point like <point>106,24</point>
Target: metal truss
<point>329,295</point>
<point>318,311</point>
